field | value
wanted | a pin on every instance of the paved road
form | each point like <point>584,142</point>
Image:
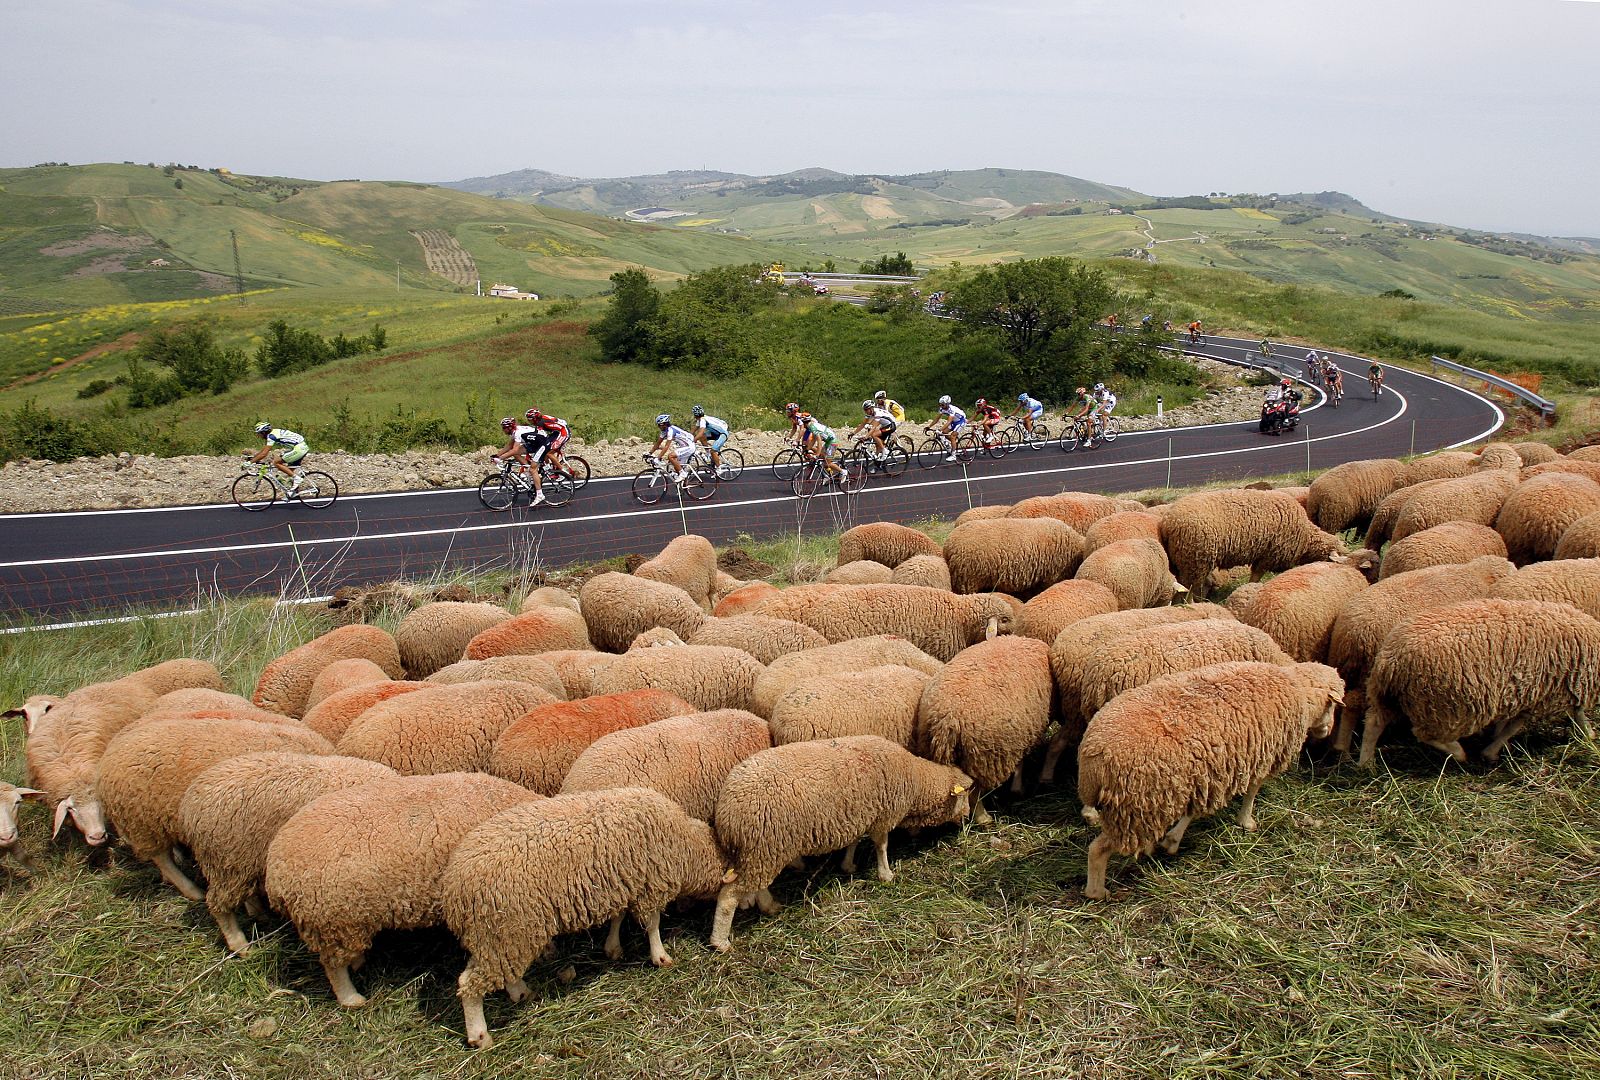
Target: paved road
<point>82,563</point>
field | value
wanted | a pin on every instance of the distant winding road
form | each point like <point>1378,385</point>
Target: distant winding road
<point>77,564</point>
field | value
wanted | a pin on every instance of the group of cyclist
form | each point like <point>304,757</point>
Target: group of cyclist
<point>531,444</point>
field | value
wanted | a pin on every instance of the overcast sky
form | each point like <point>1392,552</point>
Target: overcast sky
<point>1466,112</point>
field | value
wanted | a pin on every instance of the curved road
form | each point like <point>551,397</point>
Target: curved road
<point>62,564</point>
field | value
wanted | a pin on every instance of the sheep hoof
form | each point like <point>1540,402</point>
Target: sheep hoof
<point>613,952</point>
<point>885,875</point>
<point>352,1001</point>
<point>1096,894</point>
<point>662,961</point>
<point>1166,844</point>
<point>480,1042</point>
<point>722,946</point>
<point>517,991</point>
<point>1247,825</point>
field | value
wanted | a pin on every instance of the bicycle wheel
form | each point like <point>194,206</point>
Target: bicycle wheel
<point>1010,439</point>
<point>579,468</point>
<point>650,486</point>
<point>318,490</point>
<point>786,465</point>
<point>931,453</point>
<point>809,479</point>
<point>908,443</point>
<point>1070,437</point>
<point>896,463</point>
<point>966,448</point>
<point>558,488</point>
<point>497,491</point>
<point>254,492</point>
<point>1041,435</point>
<point>732,464</point>
<point>701,483</point>
<point>855,472</point>
<point>1112,430</point>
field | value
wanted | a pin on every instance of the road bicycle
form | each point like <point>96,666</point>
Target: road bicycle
<point>655,479</point>
<point>815,476</point>
<point>1107,428</point>
<point>577,469</point>
<point>1019,435</point>
<point>998,443</point>
<point>499,489</point>
<point>895,460</point>
<point>938,447</point>
<point>259,485</point>
<point>1084,431</point>
<point>730,461</point>
<point>786,464</point>
<point>1334,384</point>
<point>1376,383</point>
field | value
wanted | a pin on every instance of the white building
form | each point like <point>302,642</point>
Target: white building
<point>511,292</point>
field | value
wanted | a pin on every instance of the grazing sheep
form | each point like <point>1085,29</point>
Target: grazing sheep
<point>930,571</point>
<point>341,675</point>
<point>1298,608</point>
<point>685,758</point>
<point>1441,466</point>
<point>1535,453</point>
<point>877,701</point>
<point>1499,456</point>
<point>1452,542</point>
<point>706,676</point>
<point>442,728</point>
<point>11,797</point>
<point>1064,603</point>
<point>1346,496</point>
<point>690,563</point>
<point>539,749</point>
<point>561,865</point>
<point>1134,570</point>
<point>1584,453</point>
<point>762,637</point>
<point>285,683</point>
<point>1265,530</point>
<point>1019,556</point>
<point>535,670</point>
<point>146,770</point>
<point>1239,600</point>
<point>855,654</point>
<point>1480,664</point>
<point>1185,745</point>
<point>988,709</point>
<point>1573,466</point>
<point>884,542</point>
<point>1569,581</point>
<point>437,634</point>
<point>982,513</point>
<point>619,607</point>
<point>1123,525</point>
<point>655,638</point>
<point>1581,540</point>
<point>370,858</point>
<point>198,700</point>
<point>577,669</point>
<point>548,596</point>
<point>812,798</point>
<point>939,623</point>
<point>860,572</point>
<point>1389,510</point>
<point>1301,493</point>
<point>231,812</point>
<point>1467,498</point>
<point>1540,509</point>
<point>1077,509</point>
<point>332,716</point>
<point>1367,617</point>
<point>745,599</point>
<point>544,629</point>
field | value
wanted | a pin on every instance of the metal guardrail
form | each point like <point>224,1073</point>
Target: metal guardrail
<point>835,276</point>
<point>1545,406</point>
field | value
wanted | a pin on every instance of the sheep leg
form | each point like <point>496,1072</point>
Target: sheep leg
<point>228,922</point>
<point>980,813</point>
<point>652,930</point>
<point>881,842</point>
<point>722,922</point>
<point>1453,748</point>
<point>253,907</point>
<point>798,863</point>
<point>517,990</point>
<point>1504,732</point>
<point>848,863</point>
<point>177,878</point>
<point>1016,779</point>
<point>765,901</point>
<point>477,1027</point>
<point>1344,731</point>
<point>1099,856</point>
<point>1169,843</point>
<point>360,961</point>
<point>1247,808</point>
<point>1377,719</point>
<point>614,938</point>
<point>349,997</point>
<point>1052,755</point>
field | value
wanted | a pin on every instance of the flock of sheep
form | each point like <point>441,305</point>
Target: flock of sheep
<point>675,733</point>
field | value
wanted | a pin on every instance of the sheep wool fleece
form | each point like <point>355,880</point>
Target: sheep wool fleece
<point>685,758</point>
<point>538,750</point>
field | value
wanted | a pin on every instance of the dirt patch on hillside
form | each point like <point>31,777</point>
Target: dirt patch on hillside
<point>446,257</point>
<point>126,341</point>
<point>739,563</point>
<point>105,264</point>
<point>99,240</point>
<point>878,208</point>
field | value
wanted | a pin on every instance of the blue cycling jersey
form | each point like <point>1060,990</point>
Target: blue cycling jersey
<point>1033,405</point>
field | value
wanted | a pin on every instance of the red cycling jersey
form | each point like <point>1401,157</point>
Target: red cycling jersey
<point>989,412</point>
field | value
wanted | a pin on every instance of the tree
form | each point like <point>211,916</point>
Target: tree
<point>624,331</point>
<point>897,263</point>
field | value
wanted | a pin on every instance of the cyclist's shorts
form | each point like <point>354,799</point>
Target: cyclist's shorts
<point>535,445</point>
<point>560,440</point>
<point>1036,412</point>
<point>296,454</point>
<point>957,425</point>
<point>887,427</point>
<point>718,441</point>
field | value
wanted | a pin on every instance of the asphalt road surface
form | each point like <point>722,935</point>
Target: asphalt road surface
<point>80,564</point>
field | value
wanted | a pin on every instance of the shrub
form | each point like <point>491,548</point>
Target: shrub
<point>95,388</point>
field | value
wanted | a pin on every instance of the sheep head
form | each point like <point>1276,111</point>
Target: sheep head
<point>87,815</point>
<point>11,798</point>
<point>994,614</point>
<point>1367,561</point>
<point>33,710</point>
<point>944,795</point>
<point>1324,692</point>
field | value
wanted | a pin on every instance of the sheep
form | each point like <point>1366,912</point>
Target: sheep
<point>690,563</point>
<point>927,570</point>
<point>200,701</point>
<point>548,596</point>
<point>855,654</point>
<point>1184,745</point>
<point>939,623</point>
<point>285,683</point>
<point>1441,466</point>
<point>1574,466</point>
<point>232,810</point>
<point>33,709</point>
<point>1123,525</point>
<point>1298,608</point>
<point>1011,555</point>
<point>1300,492</point>
<point>1243,595</point>
<point>544,629</point>
<point>654,638</point>
<point>860,572</point>
<point>1134,570</point>
<point>884,542</point>
<point>146,770</point>
<point>1077,509</point>
<point>435,635</point>
<point>706,676</point>
<point>1499,456</point>
<point>876,701</point>
<point>762,637</point>
<point>565,864</point>
<point>351,863</point>
<point>577,669</point>
<point>11,797</point>
<point>539,749</point>
<point>618,607</point>
<point>1388,512</point>
<point>1540,509</point>
<point>1346,496</point>
<point>1583,453</point>
<point>332,716</point>
<point>1367,617</point>
<point>686,758</point>
<point>1467,498</point>
<point>988,709</point>
<point>1569,581</point>
<point>1266,530</point>
<point>982,513</point>
<point>1452,542</point>
<point>536,670</point>
<point>1480,664</point>
<point>1535,453</point>
<point>812,798</point>
<point>1064,603</point>
<point>341,675</point>
<point>1581,539</point>
<point>744,599</point>
<point>442,728</point>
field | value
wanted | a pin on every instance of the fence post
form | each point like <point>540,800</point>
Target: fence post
<point>683,513</point>
<point>1308,453</point>
<point>1413,435</point>
<point>1169,464</point>
<point>966,482</point>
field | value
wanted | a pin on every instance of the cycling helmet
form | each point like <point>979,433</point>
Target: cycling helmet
<point>533,414</point>
<point>791,408</point>
<point>1022,397</point>
<point>1080,391</point>
<point>263,427</point>
<point>945,400</point>
<point>803,417</point>
<point>507,423</point>
<point>879,396</point>
<point>663,420</point>
<point>1285,381</point>
<point>867,405</point>
<point>698,411</point>
<point>981,402</point>
<point>1099,387</point>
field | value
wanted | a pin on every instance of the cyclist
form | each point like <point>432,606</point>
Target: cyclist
<point>953,420</point>
<point>710,432</point>
<point>1266,349</point>
<point>286,448</point>
<point>1332,377</point>
<point>513,448</point>
<point>1375,379</point>
<point>796,434</point>
<point>1029,409</point>
<point>541,435</point>
<point>818,441</point>
<point>675,446</point>
<point>879,423</point>
<point>1111,321</point>
<point>1313,366</point>
<point>1087,405</point>
<point>1166,325</point>
<point>989,417</point>
<point>896,410</point>
<point>1194,332</point>
<point>1107,401</point>
<point>556,432</point>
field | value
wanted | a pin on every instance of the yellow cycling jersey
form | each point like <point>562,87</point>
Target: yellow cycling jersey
<point>896,410</point>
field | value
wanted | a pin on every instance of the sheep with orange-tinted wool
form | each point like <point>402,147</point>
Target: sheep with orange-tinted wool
<point>1122,525</point>
<point>812,798</point>
<point>876,701</point>
<point>548,596</point>
<point>1075,509</point>
<point>197,702</point>
<point>1542,508</point>
<point>544,629</point>
<point>1482,665</point>
<point>562,865</point>
<point>342,675</point>
<point>436,635</point>
<point>939,623</point>
<point>1452,542</point>
<point>1567,581</point>
<point>538,750</point>
<point>534,670</point>
<point>927,570</point>
<point>1019,556</point>
<point>285,683</point>
<point>1267,531</point>
<point>332,716</point>
<point>1136,572</point>
<point>619,607</point>
<point>854,654</point>
<point>706,676</point>
<point>762,636</point>
<point>1185,745</point>
<point>1062,604</point>
<point>744,598</point>
<point>1581,540</point>
<point>884,542</point>
<point>690,563</point>
<point>1298,607</point>
<point>355,862</point>
<point>232,810</point>
<point>686,758</point>
<point>442,728</point>
<point>1347,495</point>
<point>146,769</point>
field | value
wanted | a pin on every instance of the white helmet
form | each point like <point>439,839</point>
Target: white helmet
<point>945,400</point>
<point>1099,387</point>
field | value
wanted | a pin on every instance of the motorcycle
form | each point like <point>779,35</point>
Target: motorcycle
<point>1280,414</point>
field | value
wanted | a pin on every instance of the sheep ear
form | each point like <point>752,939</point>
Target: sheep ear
<point>63,808</point>
<point>1338,558</point>
<point>991,631</point>
<point>730,877</point>
<point>31,793</point>
<point>1179,588</point>
<point>959,789</point>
